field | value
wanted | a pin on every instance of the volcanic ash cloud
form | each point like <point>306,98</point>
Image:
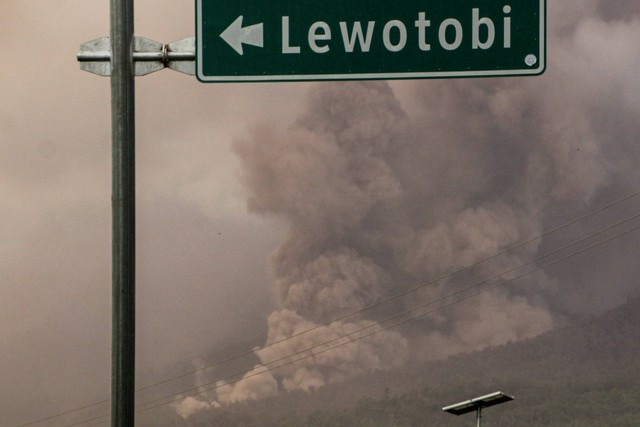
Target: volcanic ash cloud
<point>378,201</point>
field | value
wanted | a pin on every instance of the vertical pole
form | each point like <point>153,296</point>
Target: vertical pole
<point>123,214</point>
<point>479,415</point>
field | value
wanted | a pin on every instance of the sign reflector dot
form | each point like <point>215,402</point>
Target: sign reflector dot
<point>530,60</point>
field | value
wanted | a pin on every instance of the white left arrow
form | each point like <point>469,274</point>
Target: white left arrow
<point>235,35</point>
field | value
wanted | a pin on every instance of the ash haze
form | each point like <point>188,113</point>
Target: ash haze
<point>267,209</point>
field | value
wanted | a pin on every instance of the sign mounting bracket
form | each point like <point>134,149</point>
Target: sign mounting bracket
<point>148,56</point>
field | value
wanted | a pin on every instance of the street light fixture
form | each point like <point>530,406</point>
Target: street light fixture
<point>477,404</point>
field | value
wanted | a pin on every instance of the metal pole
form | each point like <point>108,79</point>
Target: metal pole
<point>123,214</point>
<point>479,415</point>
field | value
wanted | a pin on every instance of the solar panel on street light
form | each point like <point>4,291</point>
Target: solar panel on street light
<point>477,404</point>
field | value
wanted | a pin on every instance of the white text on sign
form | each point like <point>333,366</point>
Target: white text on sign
<point>358,37</point>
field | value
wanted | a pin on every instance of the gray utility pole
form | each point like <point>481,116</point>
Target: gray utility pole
<point>123,336</point>
<point>123,56</point>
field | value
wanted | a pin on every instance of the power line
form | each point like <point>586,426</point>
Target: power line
<point>401,294</point>
<point>360,311</point>
<point>398,295</point>
<point>62,414</point>
<point>452,294</point>
<point>177,396</point>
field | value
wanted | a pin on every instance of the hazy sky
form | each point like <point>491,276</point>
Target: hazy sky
<point>510,157</point>
<point>201,258</point>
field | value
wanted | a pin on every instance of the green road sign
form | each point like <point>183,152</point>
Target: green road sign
<point>286,40</point>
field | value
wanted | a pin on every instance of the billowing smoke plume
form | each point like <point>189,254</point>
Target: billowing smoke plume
<point>381,198</point>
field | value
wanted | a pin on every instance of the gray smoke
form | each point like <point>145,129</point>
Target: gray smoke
<point>380,197</point>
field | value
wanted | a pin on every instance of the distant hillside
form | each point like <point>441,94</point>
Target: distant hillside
<point>586,374</point>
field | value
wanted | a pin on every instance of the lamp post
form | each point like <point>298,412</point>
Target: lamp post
<point>477,404</point>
